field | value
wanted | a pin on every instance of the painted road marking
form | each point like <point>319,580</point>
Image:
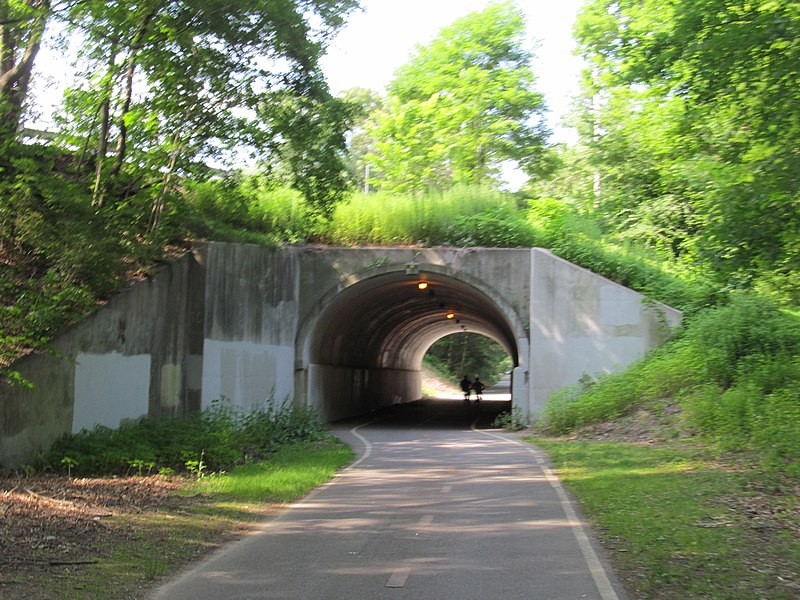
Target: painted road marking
<point>598,572</point>
<point>398,578</point>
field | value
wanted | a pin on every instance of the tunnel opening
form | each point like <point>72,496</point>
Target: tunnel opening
<point>467,355</point>
<point>365,344</point>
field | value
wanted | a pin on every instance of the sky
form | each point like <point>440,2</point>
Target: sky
<point>381,37</point>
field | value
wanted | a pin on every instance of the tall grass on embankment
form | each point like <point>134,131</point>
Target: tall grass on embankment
<point>732,377</point>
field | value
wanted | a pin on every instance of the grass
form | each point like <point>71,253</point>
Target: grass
<point>213,510</point>
<point>680,524</point>
<point>290,473</point>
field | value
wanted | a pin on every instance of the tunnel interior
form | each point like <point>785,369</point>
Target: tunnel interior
<point>369,341</point>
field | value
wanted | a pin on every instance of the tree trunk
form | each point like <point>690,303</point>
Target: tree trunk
<point>98,193</point>
<point>130,71</point>
<point>18,50</point>
<point>160,200</point>
<point>102,150</point>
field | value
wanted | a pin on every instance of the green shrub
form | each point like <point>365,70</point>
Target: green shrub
<point>737,337</point>
<point>218,437</point>
<point>435,218</point>
<point>511,420</point>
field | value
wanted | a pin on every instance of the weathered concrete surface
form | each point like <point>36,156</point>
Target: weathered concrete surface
<point>582,323</point>
<point>343,330</point>
<point>130,359</point>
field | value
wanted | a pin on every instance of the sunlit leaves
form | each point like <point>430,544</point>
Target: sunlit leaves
<point>462,105</point>
<point>727,155</point>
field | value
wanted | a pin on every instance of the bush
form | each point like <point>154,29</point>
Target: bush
<point>736,337</point>
<point>734,371</point>
<point>434,218</point>
<point>213,439</point>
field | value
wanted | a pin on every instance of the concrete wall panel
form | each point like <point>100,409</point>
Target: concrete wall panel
<point>583,324</point>
<point>247,374</point>
<point>125,361</point>
<point>109,389</point>
<point>32,419</point>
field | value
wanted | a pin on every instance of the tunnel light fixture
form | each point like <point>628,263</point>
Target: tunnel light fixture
<point>450,314</point>
<point>422,285</point>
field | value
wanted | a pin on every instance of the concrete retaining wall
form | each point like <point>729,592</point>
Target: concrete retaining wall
<point>138,355</point>
<point>583,324</point>
<point>339,329</point>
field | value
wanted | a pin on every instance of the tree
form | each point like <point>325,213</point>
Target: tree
<point>307,135</point>
<point>365,104</point>
<point>471,354</point>
<point>696,128</point>
<point>22,26</point>
<point>462,105</point>
<point>179,82</point>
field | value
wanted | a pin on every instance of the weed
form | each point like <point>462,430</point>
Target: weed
<point>512,420</point>
<point>216,438</point>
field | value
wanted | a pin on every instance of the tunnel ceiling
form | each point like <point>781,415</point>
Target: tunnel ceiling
<point>388,322</point>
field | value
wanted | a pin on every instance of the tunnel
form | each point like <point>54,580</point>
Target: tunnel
<point>367,343</point>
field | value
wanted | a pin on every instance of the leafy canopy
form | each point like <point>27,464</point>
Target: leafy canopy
<point>461,106</point>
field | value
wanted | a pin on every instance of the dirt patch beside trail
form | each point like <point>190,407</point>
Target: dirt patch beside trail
<point>50,525</point>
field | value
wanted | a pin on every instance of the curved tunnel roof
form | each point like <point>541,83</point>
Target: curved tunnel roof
<point>386,321</point>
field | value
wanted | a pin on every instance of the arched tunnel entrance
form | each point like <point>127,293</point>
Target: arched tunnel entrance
<point>364,347</point>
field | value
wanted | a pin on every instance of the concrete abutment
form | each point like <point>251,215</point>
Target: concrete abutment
<point>343,330</point>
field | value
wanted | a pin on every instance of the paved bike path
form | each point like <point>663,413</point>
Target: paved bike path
<point>424,513</point>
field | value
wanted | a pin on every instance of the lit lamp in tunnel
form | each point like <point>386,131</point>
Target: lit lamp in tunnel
<point>422,285</point>
<point>451,314</point>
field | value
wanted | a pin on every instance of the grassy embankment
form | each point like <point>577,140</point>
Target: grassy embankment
<point>728,383</point>
<point>688,463</point>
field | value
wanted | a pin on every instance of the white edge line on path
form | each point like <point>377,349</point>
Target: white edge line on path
<point>333,480</point>
<point>596,568</point>
<point>367,446</point>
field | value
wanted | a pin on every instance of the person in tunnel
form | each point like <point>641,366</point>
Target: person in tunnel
<point>478,386</point>
<point>466,387</point>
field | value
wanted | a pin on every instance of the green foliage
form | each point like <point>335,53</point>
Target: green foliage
<point>59,253</point>
<point>213,439</point>
<point>469,354</point>
<point>437,217</point>
<point>742,336</point>
<point>311,156</point>
<point>461,106</point>
<point>690,129</point>
<point>497,227</point>
<point>246,208</point>
<point>512,420</point>
<point>176,85</point>
<point>733,371</point>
